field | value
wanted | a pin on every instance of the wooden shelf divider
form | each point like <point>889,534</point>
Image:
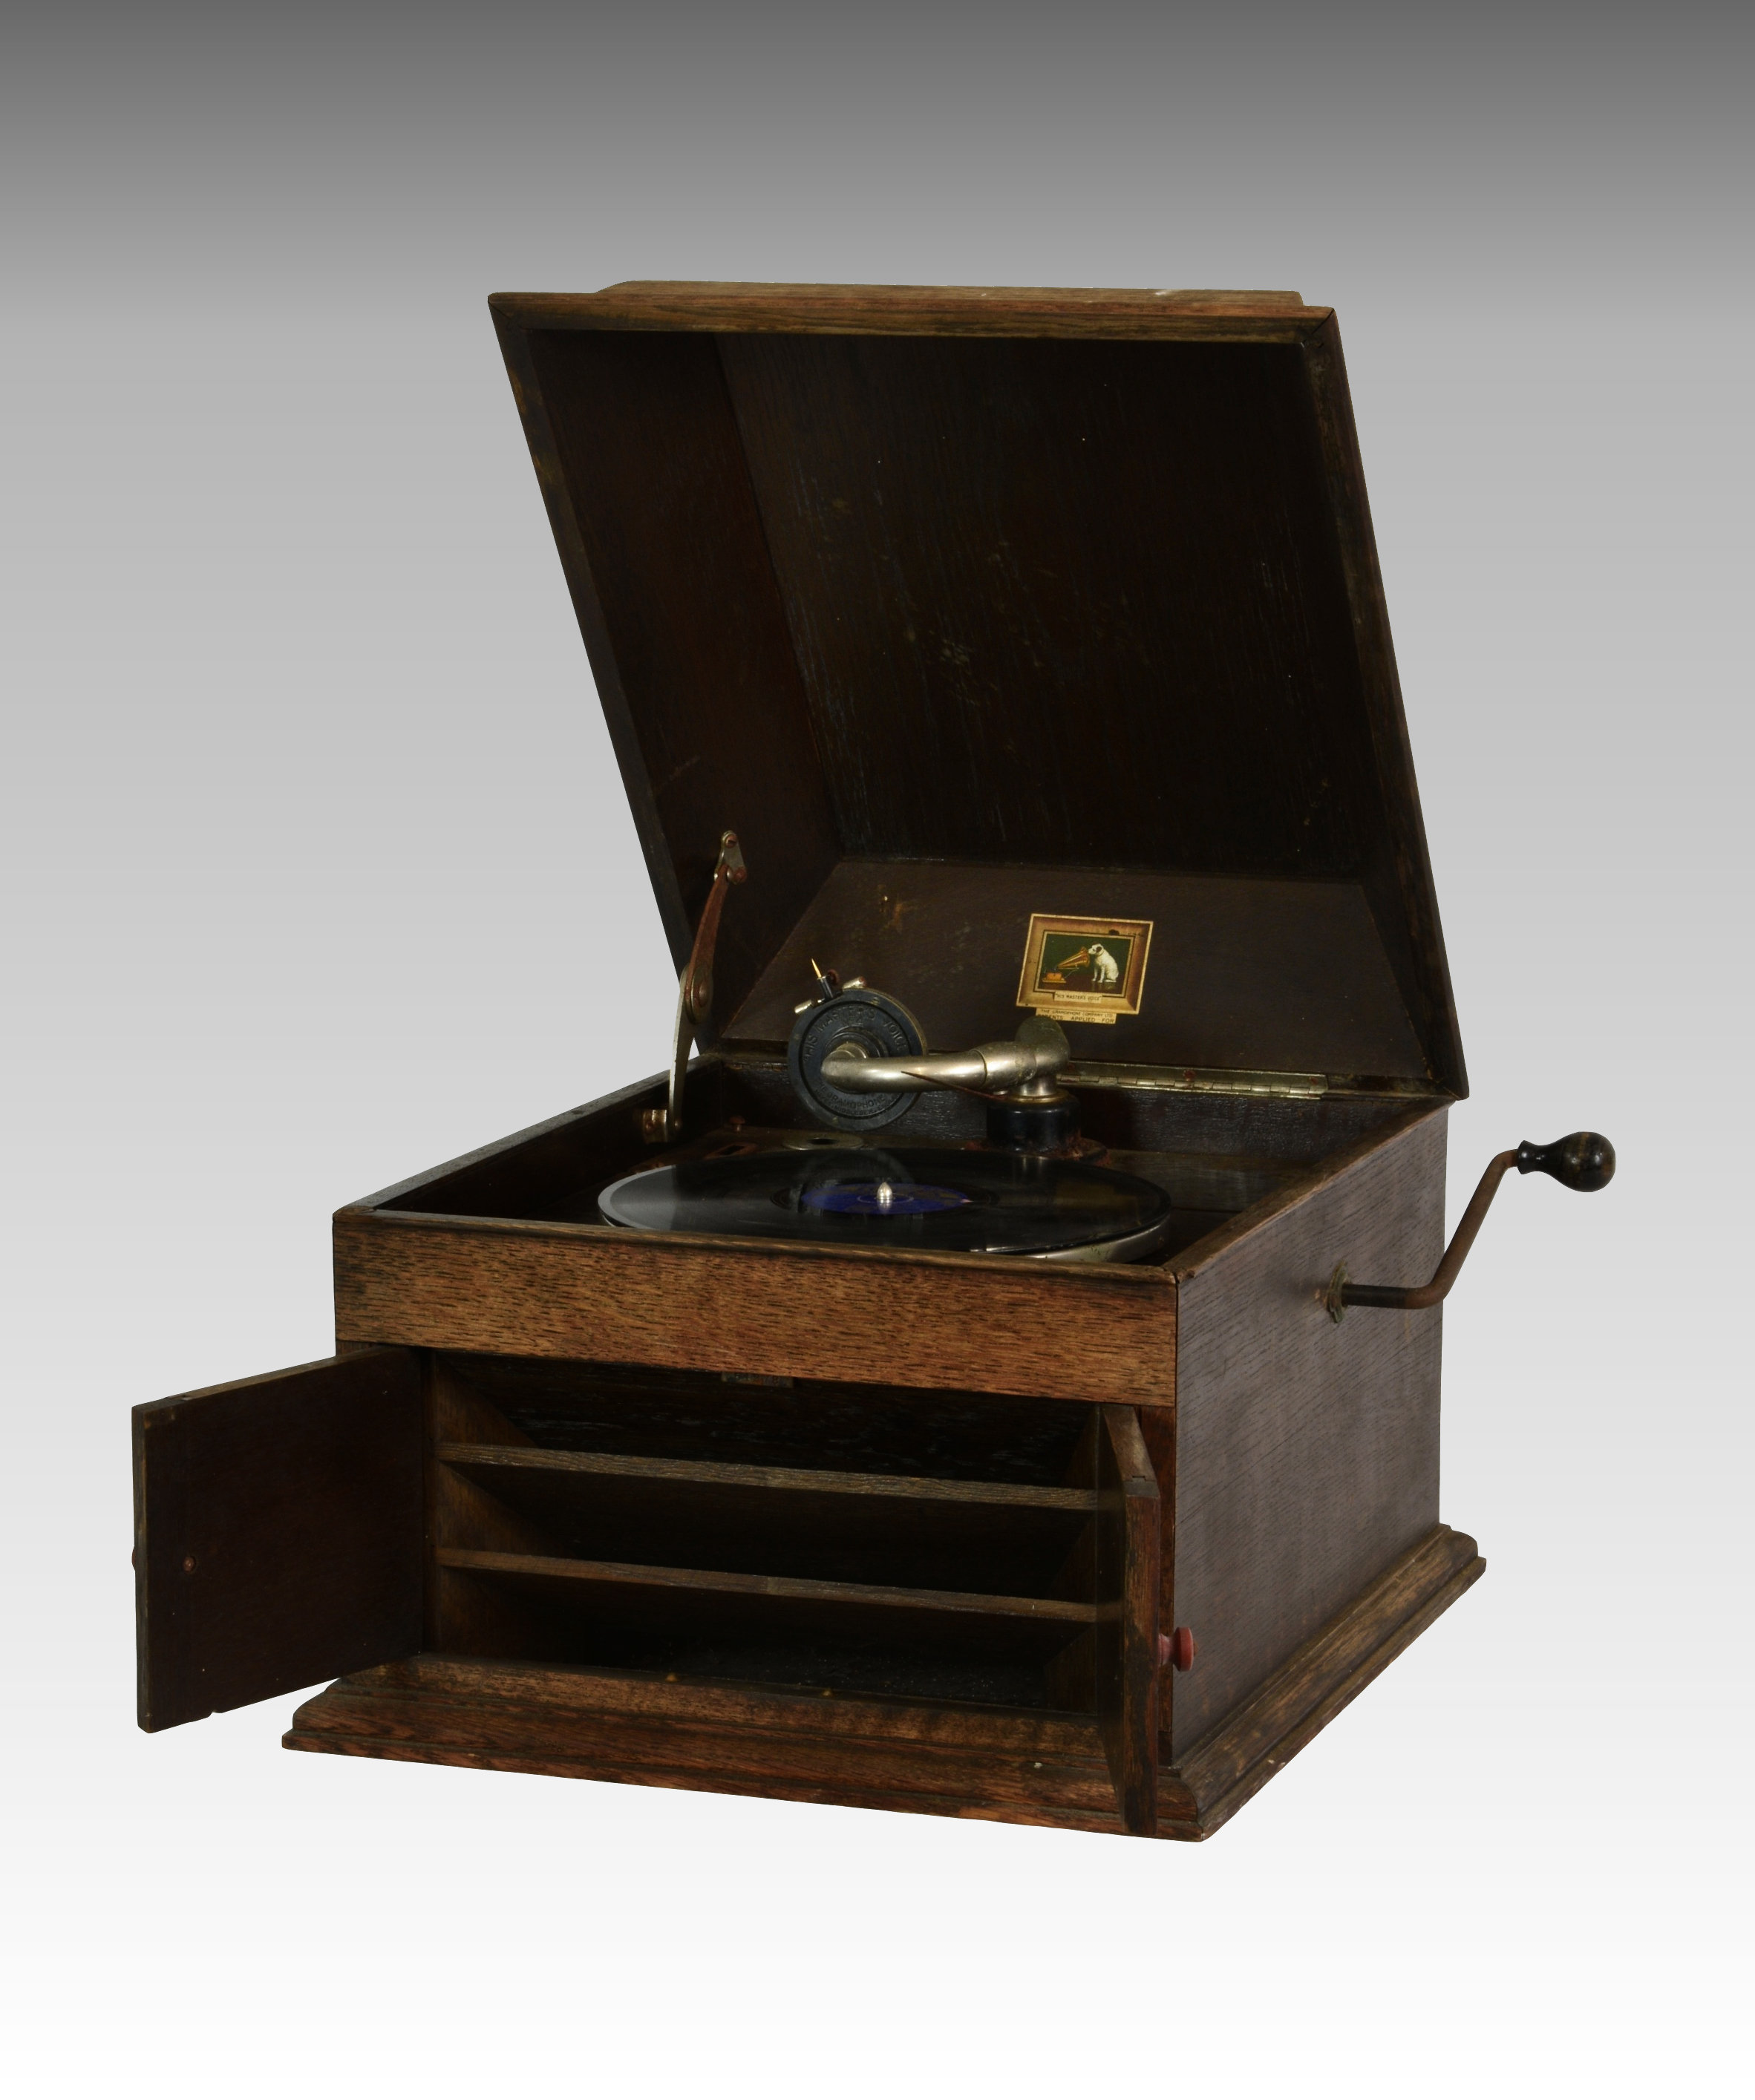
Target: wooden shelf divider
<point>800,1480</point>
<point>882,1597</point>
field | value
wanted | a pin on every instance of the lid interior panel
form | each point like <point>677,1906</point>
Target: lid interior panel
<point>1246,974</point>
<point>651,501</point>
<point>1063,601</point>
<point>1024,602</point>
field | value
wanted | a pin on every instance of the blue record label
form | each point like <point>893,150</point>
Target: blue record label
<point>883,1199</point>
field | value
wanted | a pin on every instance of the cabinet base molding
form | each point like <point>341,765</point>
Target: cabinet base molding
<point>918,1756</point>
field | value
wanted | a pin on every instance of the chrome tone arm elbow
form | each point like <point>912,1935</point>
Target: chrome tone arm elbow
<point>858,1059</point>
<point>1035,1055</point>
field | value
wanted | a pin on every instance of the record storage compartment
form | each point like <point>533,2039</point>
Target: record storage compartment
<point>942,1547</point>
<point>613,1548</point>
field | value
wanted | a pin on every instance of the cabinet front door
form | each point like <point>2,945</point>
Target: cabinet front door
<point>278,1527</point>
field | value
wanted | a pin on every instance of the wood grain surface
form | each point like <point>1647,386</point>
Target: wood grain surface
<point>277,1533</point>
<point>1127,1547</point>
<point>833,1488</point>
<point>686,633</point>
<point>844,1597</point>
<point>1063,602</point>
<point>813,1574</point>
<point>920,1757</point>
<point>1399,870</point>
<point>464,1615</point>
<point>948,1535</point>
<point>839,1424</point>
<point>1079,579</point>
<point>641,1730</point>
<point>526,1173</point>
<point>593,1293</point>
<point>1307,1458</point>
<point>919,310</point>
<point>1243,975</point>
<point>1325,1674</point>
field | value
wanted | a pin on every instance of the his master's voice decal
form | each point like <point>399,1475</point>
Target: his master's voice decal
<point>1084,970</point>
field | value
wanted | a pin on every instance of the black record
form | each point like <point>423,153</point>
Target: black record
<point>901,1197</point>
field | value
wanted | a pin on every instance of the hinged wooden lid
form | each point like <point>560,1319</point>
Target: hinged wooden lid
<point>960,605</point>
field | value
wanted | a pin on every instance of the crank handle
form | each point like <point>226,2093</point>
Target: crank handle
<point>1584,1161</point>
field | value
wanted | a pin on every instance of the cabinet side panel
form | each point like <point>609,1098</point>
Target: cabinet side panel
<point>1307,1452</point>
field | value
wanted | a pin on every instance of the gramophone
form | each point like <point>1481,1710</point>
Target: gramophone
<point>1046,1429</point>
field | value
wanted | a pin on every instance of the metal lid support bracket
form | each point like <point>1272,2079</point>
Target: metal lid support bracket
<point>694,993</point>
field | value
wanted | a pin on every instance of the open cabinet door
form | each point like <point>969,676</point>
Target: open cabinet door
<point>278,1526</point>
<point>1127,1546</point>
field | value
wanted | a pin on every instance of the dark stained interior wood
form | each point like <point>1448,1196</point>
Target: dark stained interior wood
<point>1398,869</point>
<point>687,635</point>
<point>1243,975</point>
<point>1218,1151</point>
<point>713,1604</point>
<point>277,1533</point>
<point>615,1516</point>
<point>818,1425</point>
<point>1063,602</point>
<point>526,1468</point>
<point>1019,599</point>
<point>794,1521</point>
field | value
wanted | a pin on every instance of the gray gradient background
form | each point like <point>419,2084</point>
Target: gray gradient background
<point>308,809</point>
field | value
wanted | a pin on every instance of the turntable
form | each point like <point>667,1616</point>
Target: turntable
<point>995,1371</point>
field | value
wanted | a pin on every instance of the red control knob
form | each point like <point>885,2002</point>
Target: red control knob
<point>1176,1651</point>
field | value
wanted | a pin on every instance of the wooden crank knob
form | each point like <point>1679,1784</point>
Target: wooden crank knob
<point>1584,1161</point>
